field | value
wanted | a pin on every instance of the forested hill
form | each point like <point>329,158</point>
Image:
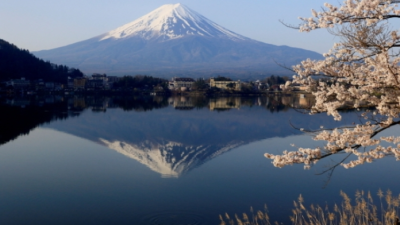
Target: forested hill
<point>16,63</point>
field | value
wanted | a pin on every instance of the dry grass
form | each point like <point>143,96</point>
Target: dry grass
<point>259,218</point>
<point>362,212</point>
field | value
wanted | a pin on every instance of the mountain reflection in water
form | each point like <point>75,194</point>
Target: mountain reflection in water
<point>167,138</point>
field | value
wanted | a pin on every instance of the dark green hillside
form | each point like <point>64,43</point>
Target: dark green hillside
<point>16,63</point>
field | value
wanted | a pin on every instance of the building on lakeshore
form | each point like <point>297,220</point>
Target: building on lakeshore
<point>111,80</point>
<point>94,84</point>
<point>49,85</point>
<point>225,84</point>
<point>298,87</point>
<point>261,85</point>
<point>70,83</point>
<point>97,76</point>
<point>179,83</point>
<point>80,83</point>
<point>38,84</point>
<point>19,83</point>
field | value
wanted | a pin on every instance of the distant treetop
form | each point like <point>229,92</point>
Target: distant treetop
<point>219,78</point>
<point>16,63</point>
<point>187,79</point>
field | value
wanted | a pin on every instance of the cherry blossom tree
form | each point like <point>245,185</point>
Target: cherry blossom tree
<point>360,72</point>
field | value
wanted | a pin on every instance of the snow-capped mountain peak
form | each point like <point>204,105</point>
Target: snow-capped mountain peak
<point>171,21</point>
<point>175,40</point>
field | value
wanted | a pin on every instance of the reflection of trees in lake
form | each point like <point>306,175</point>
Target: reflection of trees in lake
<point>200,102</point>
<point>173,142</point>
<point>225,103</point>
<point>16,120</point>
<point>182,103</point>
<point>135,103</point>
<point>274,103</point>
<point>140,103</point>
<point>22,114</point>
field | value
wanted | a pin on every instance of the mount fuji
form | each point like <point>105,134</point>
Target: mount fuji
<point>174,40</point>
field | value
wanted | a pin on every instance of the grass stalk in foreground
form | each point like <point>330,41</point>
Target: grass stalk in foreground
<point>362,212</point>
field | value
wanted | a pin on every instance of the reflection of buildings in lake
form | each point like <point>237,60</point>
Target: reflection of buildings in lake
<point>287,100</point>
<point>225,103</point>
<point>305,101</point>
<point>20,102</point>
<point>97,104</point>
<point>182,103</point>
<point>79,102</point>
<point>170,159</point>
<point>298,101</point>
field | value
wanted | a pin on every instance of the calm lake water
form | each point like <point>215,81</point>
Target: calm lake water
<point>154,160</point>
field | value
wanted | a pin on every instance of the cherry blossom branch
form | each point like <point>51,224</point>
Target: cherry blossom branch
<point>363,70</point>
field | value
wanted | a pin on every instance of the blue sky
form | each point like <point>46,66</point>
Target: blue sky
<point>46,24</point>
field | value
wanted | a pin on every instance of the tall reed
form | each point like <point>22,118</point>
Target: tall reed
<point>362,212</point>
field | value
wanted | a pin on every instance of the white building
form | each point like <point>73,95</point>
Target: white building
<point>181,82</point>
<point>225,84</point>
<point>19,83</point>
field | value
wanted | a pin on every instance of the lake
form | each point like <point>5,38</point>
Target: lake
<point>156,160</point>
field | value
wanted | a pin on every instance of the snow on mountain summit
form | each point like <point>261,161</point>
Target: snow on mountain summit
<point>171,21</point>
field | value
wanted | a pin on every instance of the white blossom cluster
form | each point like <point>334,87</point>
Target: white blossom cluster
<point>372,11</point>
<point>303,155</point>
<point>361,71</point>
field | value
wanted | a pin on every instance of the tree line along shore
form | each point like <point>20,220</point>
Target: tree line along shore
<point>101,83</point>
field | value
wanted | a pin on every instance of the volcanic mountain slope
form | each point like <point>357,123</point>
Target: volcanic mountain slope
<point>174,39</point>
